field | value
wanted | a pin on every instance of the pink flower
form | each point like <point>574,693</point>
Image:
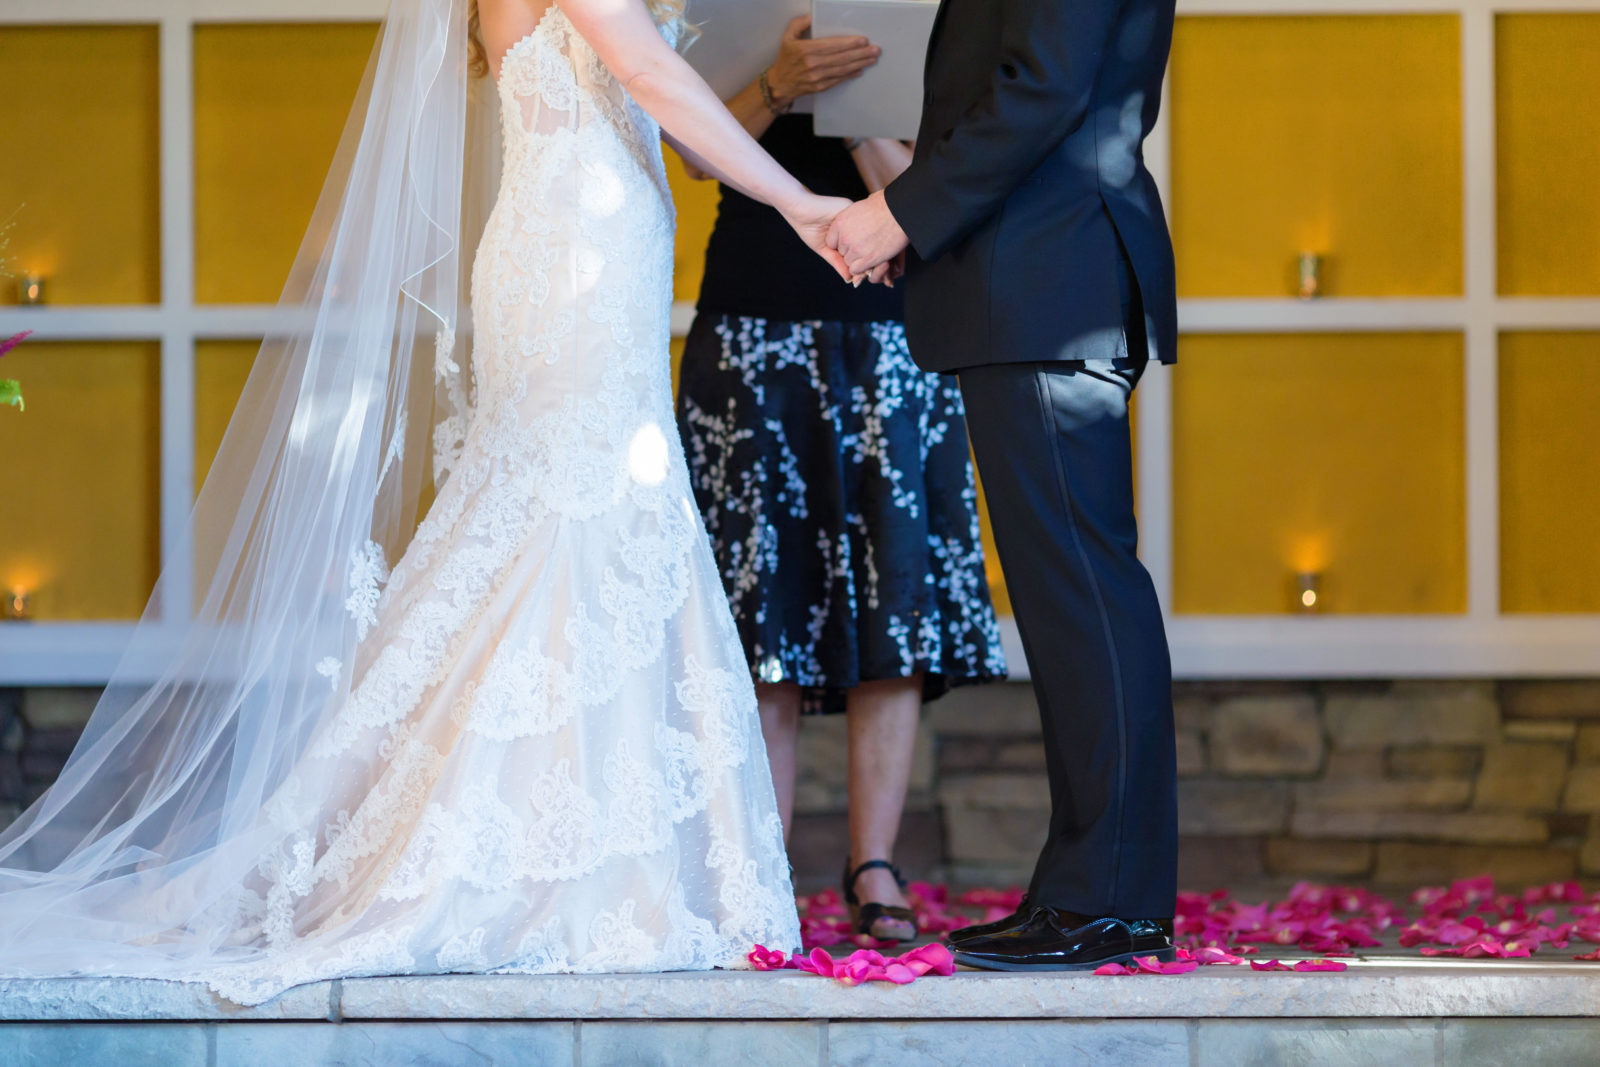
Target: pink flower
<point>1468,919</point>
<point>934,958</point>
<point>763,958</point>
<point>820,933</point>
<point>870,965</point>
<point>1319,965</point>
<point>1151,965</point>
<point>8,343</point>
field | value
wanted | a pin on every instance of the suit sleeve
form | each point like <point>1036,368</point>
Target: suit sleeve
<point>1050,56</point>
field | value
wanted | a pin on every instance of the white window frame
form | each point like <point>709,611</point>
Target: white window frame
<point>1482,642</point>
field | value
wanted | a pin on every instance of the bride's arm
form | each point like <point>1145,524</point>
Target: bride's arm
<point>695,122</point>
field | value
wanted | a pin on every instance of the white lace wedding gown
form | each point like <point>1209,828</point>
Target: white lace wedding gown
<point>551,760</point>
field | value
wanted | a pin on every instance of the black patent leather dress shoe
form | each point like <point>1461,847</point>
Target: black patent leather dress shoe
<point>1016,918</point>
<point>1056,940</point>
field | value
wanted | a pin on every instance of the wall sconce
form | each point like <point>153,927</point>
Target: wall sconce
<point>30,290</point>
<point>1310,276</point>
<point>17,605</point>
<point>1308,592</point>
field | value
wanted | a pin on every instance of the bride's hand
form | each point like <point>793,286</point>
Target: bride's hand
<point>811,218</point>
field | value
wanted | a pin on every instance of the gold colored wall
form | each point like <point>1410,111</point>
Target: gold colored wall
<point>270,103</point>
<point>1547,119</point>
<point>220,370</point>
<point>1336,453</point>
<point>1339,135</point>
<point>79,161</point>
<point>82,502</point>
<point>696,202</point>
<point>1549,472</point>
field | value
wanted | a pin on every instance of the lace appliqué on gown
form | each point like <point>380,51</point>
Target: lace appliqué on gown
<point>549,759</point>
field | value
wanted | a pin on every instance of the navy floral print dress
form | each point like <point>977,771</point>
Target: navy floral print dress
<point>833,474</point>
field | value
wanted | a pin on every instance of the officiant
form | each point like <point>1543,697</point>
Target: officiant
<point>834,478</point>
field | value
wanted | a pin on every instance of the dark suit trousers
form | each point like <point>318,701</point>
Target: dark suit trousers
<point>1053,451</point>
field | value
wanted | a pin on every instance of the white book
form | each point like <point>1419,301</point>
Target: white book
<point>886,100</point>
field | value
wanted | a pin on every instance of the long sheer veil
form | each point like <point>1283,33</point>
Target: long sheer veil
<point>130,864</point>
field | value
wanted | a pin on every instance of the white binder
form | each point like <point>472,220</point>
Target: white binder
<point>886,100</point>
<point>739,39</point>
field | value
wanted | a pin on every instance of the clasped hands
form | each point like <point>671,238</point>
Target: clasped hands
<point>869,240</point>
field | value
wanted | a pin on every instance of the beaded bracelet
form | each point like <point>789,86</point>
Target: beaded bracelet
<point>767,98</point>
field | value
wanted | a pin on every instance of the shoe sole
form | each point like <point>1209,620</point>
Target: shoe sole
<point>1162,956</point>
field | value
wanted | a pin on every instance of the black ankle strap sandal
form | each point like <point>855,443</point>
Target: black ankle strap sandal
<point>864,918</point>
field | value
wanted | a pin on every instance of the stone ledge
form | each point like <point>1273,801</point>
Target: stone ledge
<point>130,999</point>
<point>1378,987</point>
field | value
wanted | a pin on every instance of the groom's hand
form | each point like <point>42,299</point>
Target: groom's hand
<point>866,235</point>
<point>888,272</point>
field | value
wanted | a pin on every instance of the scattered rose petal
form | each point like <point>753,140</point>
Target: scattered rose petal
<point>763,958</point>
<point>934,958</point>
<point>1467,919</point>
<point>1151,965</point>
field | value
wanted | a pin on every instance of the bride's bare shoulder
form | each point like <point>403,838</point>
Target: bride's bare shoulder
<point>505,22</point>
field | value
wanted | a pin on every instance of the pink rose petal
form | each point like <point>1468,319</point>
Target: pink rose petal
<point>8,343</point>
<point>899,974</point>
<point>1117,968</point>
<point>1468,919</point>
<point>763,958</point>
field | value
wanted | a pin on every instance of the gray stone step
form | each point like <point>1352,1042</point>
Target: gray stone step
<point>1383,1010</point>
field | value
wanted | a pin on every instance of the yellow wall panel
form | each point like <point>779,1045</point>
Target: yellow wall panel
<point>82,514</point>
<point>1549,473</point>
<point>220,370</point>
<point>1339,135</point>
<point>270,103</point>
<point>79,140</point>
<point>1336,453</point>
<point>697,213</point>
<point>991,558</point>
<point>1547,114</point>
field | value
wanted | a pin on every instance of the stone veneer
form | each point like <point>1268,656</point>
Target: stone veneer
<point>1386,783</point>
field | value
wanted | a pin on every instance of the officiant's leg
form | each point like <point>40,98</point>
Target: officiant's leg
<point>779,706</point>
<point>1053,452</point>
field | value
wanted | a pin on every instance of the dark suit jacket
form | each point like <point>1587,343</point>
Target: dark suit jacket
<point>1029,183</point>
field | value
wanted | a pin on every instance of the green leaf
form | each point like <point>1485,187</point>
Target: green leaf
<point>11,393</point>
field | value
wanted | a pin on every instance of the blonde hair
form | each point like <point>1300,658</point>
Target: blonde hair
<point>663,11</point>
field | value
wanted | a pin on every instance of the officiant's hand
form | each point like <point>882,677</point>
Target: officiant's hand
<point>867,236</point>
<point>805,65</point>
<point>811,217</point>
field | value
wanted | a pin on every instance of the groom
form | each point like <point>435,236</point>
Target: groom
<point>1040,272</point>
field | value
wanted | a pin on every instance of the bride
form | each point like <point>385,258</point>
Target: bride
<point>531,745</point>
